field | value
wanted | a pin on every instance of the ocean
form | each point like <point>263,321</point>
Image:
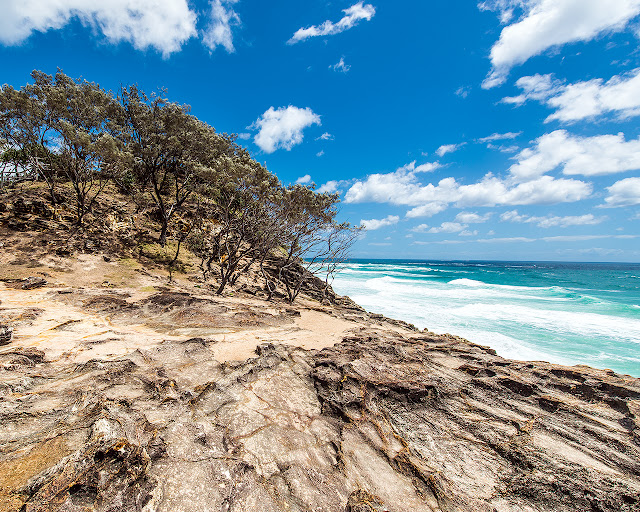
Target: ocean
<point>566,313</point>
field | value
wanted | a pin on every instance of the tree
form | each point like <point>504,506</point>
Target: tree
<point>170,149</point>
<point>242,203</point>
<point>26,136</point>
<point>312,238</point>
<point>63,126</point>
<point>339,239</point>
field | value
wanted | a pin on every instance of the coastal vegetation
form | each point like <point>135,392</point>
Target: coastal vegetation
<point>186,183</point>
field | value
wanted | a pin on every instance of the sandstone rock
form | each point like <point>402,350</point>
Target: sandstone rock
<point>379,422</point>
<point>6,334</point>
<point>33,282</point>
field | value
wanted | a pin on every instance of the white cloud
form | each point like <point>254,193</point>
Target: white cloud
<point>500,136</point>
<point>620,95</point>
<point>466,232</point>
<point>403,188</point>
<point>463,91</point>
<point>504,149</point>
<point>352,16</point>
<point>472,218</point>
<point>536,87</point>
<point>624,193</point>
<point>320,153</point>
<point>427,210</point>
<point>325,136</point>
<point>552,23</point>
<point>550,221</point>
<point>341,66</point>
<point>218,33</point>
<point>282,128</point>
<point>505,240</point>
<point>583,238</point>
<point>448,227</point>
<point>420,228</point>
<point>164,26</point>
<point>303,179</point>
<point>448,148</point>
<point>333,186</point>
<point>506,8</point>
<point>244,136</point>
<point>588,156</point>
<point>372,224</point>
<point>329,187</point>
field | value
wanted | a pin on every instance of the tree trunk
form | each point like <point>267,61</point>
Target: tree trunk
<point>162,240</point>
<point>223,283</point>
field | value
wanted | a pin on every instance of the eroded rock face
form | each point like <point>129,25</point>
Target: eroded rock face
<point>378,422</point>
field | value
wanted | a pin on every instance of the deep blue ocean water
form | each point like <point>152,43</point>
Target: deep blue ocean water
<point>567,313</point>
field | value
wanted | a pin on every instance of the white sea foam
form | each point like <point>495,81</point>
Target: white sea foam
<point>553,323</point>
<point>556,321</point>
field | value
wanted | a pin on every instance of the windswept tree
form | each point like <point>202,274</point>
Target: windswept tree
<point>339,239</point>
<point>312,239</point>
<point>171,150</point>
<point>26,136</point>
<point>243,201</point>
<point>62,126</point>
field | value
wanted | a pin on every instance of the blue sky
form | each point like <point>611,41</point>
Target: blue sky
<point>501,129</point>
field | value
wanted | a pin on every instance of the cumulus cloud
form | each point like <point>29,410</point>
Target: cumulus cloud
<point>550,24</point>
<point>620,96</point>
<point>472,218</point>
<point>420,228</point>
<point>283,127</point>
<point>330,187</point>
<point>448,148</point>
<point>550,221</point>
<point>372,224</point>
<point>303,179</point>
<point>333,186</point>
<point>325,136</point>
<point>588,156</point>
<point>403,187</point>
<point>427,210</point>
<point>352,16</point>
<point>219,33</point>
<point>341,66</point>
<point>624,193</point>
<point>448,227</point>
<point>164,26</point>
<point>536,87</point>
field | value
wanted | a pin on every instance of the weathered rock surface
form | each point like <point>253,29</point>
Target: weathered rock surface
<point>378,422</point>
<point>120,392</point>
<point>6,334</point>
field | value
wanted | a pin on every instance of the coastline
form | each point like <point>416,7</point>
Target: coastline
<point>119,387</point>
<point>565,313</point>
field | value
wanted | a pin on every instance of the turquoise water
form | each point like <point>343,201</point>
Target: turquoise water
<point>567,313</point>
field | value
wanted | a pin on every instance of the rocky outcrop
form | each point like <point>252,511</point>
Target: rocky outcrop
<point>378,422</point>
